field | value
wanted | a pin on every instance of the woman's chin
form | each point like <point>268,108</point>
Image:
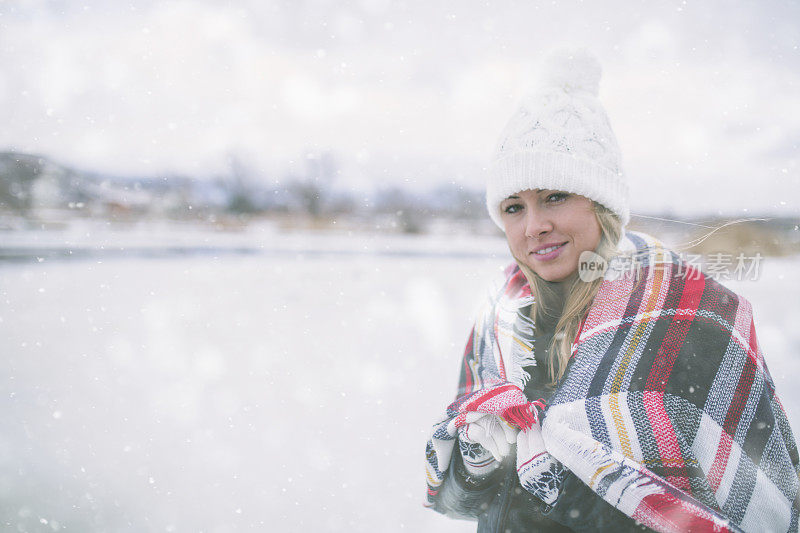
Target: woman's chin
<point>557,278</point>
<point>552,274</point>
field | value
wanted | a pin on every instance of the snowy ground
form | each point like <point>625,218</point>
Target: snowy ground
<point>229,392</point>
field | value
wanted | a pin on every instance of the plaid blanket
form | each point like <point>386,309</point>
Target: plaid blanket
<point>667,409</point>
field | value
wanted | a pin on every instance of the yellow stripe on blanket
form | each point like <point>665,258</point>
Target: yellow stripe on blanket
<point>639,333</point>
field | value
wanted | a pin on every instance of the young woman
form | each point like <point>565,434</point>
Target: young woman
<point>607,385</point>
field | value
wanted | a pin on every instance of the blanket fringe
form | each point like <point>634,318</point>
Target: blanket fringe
<point>522,416</point>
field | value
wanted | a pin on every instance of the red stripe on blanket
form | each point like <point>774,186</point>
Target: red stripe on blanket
<point>720,463</point>
<point>755,353</point>
<point>676,334</point>
<point>467,372</point>
<point>743,387</point>
<point>517,286</point>
<point>753,340</point>
<point>665,512</point>
<point>501,367</point>
<point>483,398</point>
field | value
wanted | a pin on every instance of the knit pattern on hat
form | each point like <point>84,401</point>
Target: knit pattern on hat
<point>560,138</point>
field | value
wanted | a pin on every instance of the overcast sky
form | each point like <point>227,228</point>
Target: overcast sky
<point>703,96</point>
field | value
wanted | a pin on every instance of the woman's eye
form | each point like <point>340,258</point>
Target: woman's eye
<point>512,208</point>
<point>557,197</point>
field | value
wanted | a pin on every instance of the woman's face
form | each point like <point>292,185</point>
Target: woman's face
<point>548,230</point>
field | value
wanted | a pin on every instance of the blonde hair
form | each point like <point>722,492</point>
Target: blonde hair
<point>580,295</point>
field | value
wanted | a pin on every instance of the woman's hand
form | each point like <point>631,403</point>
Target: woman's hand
<point>486,423</point>
<point>493,433</point>
<point>539,473</point>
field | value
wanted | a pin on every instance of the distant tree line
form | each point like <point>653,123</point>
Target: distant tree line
<point>31,183</point>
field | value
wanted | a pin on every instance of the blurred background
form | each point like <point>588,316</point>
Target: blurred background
<point>241,242</point>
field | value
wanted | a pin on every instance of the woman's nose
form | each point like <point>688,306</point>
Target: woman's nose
<point>537,223</point>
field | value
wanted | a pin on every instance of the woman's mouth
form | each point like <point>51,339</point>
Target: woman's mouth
<point>549,252</point>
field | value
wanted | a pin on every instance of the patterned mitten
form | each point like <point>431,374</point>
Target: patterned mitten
<point>487,423</point>
<point>539,472</point>
<point>484,442</point>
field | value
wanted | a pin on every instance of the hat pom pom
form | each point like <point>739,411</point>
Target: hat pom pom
<point>571,70</point>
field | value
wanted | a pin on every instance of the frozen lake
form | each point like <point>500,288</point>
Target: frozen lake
<point>234,392</point>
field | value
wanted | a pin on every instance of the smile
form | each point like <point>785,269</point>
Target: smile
<point>549,249</point>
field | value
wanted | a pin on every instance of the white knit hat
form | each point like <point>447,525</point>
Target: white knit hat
<point>560,139</point>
